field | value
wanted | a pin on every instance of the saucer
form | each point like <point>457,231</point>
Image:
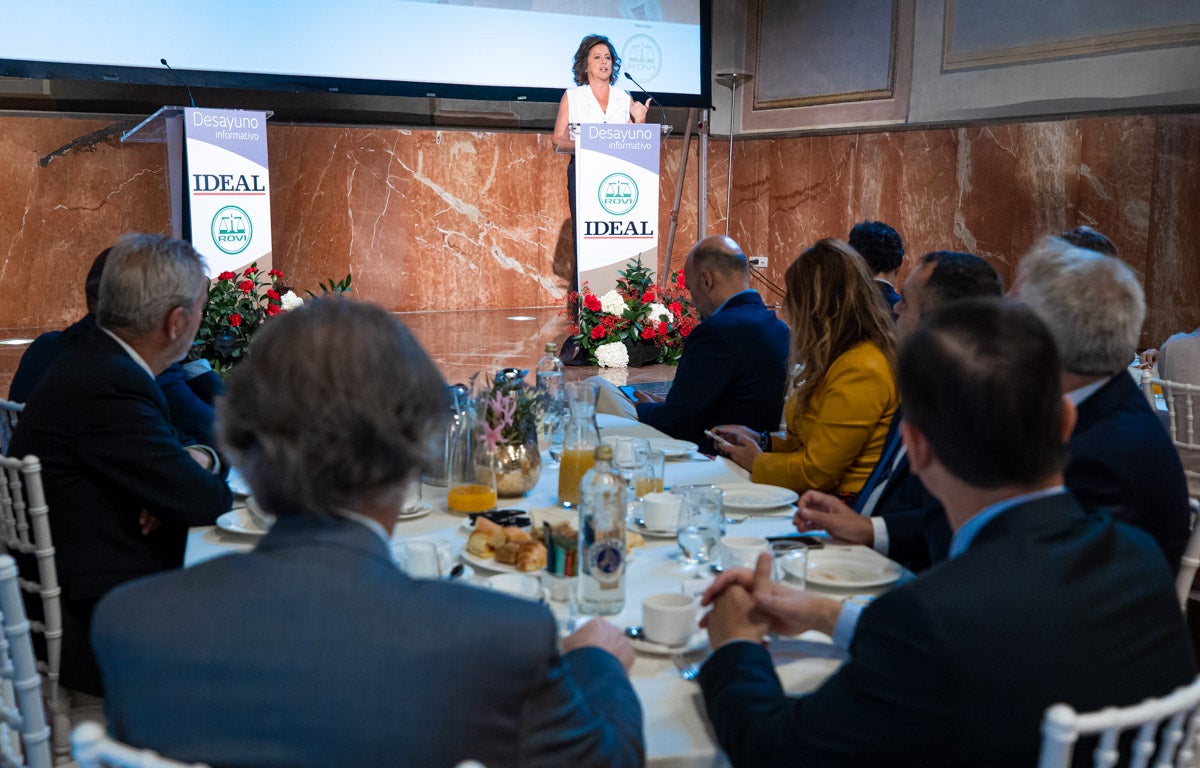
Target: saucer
<point>656,533</point>
<point>697,642</point>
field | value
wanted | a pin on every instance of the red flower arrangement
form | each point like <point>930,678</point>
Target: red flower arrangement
<point>637,314</point>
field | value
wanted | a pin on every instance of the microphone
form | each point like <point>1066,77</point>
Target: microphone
<point>181,81</point>
<point>662,111</point>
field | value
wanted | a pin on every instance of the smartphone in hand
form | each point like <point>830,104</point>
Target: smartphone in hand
<point>716,438</point>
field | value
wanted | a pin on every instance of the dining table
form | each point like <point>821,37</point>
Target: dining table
<point>677,730</point>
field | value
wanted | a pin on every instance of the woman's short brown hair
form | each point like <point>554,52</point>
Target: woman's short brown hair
<point>579,68</point>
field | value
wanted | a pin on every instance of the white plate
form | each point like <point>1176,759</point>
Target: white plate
<point>785,511</point>
<point>754,497</point>
<point>419,509</point>
<point>655,533</point>
<point>674,449</point>
<point>239,521</point>
<point>849,568</point>
<point>698,641</point>
<point>490,565</point>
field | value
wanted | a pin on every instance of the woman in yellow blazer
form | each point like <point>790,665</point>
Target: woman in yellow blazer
<point>843,393</point>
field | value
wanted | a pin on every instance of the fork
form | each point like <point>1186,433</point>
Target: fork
<point>687,670</point>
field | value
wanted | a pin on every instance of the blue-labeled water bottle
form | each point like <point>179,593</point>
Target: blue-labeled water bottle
<point>601,581</point>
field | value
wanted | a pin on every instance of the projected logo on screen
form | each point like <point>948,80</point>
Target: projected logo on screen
<point>618,194</point>
<point>641,57</point>
<point>232,229</point>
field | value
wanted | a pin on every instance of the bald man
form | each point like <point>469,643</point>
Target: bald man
<point>734,364</point>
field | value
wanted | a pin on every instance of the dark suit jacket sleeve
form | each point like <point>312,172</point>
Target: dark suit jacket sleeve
<point>881,704</point>
<point>583,713</point>
<point>704,371</point>
<point>125,438</point>
<point>189,414</point>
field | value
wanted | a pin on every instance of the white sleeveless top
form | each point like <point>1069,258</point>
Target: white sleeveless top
<point>582,107</point>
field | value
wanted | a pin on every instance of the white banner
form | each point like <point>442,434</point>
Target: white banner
<point>616,199</point>
<point>229,191</point>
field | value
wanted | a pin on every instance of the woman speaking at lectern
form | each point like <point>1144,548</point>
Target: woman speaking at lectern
<point>593,100</point>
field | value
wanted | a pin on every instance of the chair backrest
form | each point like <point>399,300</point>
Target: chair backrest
<point>1167,731</point>
<point>92,748</point>
<point>25,533</point>
<point>1190,562</point>
<point>1183,411</point>
<point>21,711</point>
<point>9,414</point>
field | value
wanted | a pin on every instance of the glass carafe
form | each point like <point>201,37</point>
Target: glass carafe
<point>472,464</point>
<point>580,438</point>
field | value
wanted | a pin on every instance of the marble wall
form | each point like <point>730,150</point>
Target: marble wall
<point>435,220</point>
<point>990,190</point>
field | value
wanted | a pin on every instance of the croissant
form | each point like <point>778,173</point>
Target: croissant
<point>531,557</point>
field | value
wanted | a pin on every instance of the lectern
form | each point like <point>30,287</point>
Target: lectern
<point>217,181</point>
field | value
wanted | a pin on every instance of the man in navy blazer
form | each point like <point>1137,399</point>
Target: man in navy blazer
<point>190,389</point>
<point>1122,459</point>
<point>121,485</point>
<point>733,369</point>
<point>315,649</point>
<point>1039,602</point>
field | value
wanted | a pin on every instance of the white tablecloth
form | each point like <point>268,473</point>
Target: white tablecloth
<point>677,729</point>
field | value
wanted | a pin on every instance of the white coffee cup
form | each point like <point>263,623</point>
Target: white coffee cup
<point>669,618</point>
<point>424,558</point>
<point>742,551</point>
<point>660,511</point>
<point>517,585</point>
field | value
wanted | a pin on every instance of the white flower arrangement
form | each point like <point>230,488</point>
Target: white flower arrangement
<point>659,313</point>
<point>290,301</point>
<point>613,303</point>
<point>613,355</point>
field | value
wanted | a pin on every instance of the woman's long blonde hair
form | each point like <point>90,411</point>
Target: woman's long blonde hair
<point>832,304</point>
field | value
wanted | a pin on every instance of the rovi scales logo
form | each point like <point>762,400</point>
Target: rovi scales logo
<point>641,57</point>
<point>618,194</point>
<point>232,229</point>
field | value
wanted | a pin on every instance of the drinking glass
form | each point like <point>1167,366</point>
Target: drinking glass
<point>700,524</point>
<point>790,564</point>
<point>629,459</point>
<point>650,478</point>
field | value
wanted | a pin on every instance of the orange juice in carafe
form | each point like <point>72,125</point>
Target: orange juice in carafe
<point>574,464</point>
<point>580,438</point>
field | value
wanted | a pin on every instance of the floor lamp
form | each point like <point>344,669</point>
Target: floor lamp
<point>731,79</point>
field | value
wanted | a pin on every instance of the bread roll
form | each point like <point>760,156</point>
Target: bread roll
<point>516,534</point>
<point>507,553</point>
<point>633,539</point>
<point>479,543</point>
<point>531,557</point>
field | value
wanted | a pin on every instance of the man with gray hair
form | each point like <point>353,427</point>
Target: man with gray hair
<point>1121,459</point>
<point>331,655</point>
<point>121,484</point>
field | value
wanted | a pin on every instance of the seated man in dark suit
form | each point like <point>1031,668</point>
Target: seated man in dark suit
<point>121,485</point>
<point>189,388</point>
<point>1121,458</point>
<point>734,364</point>
<point>894,513</point>
<point>1039,602</point>
<point>315,649</point>
<point>883,250</point>
<point>47,347</point>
